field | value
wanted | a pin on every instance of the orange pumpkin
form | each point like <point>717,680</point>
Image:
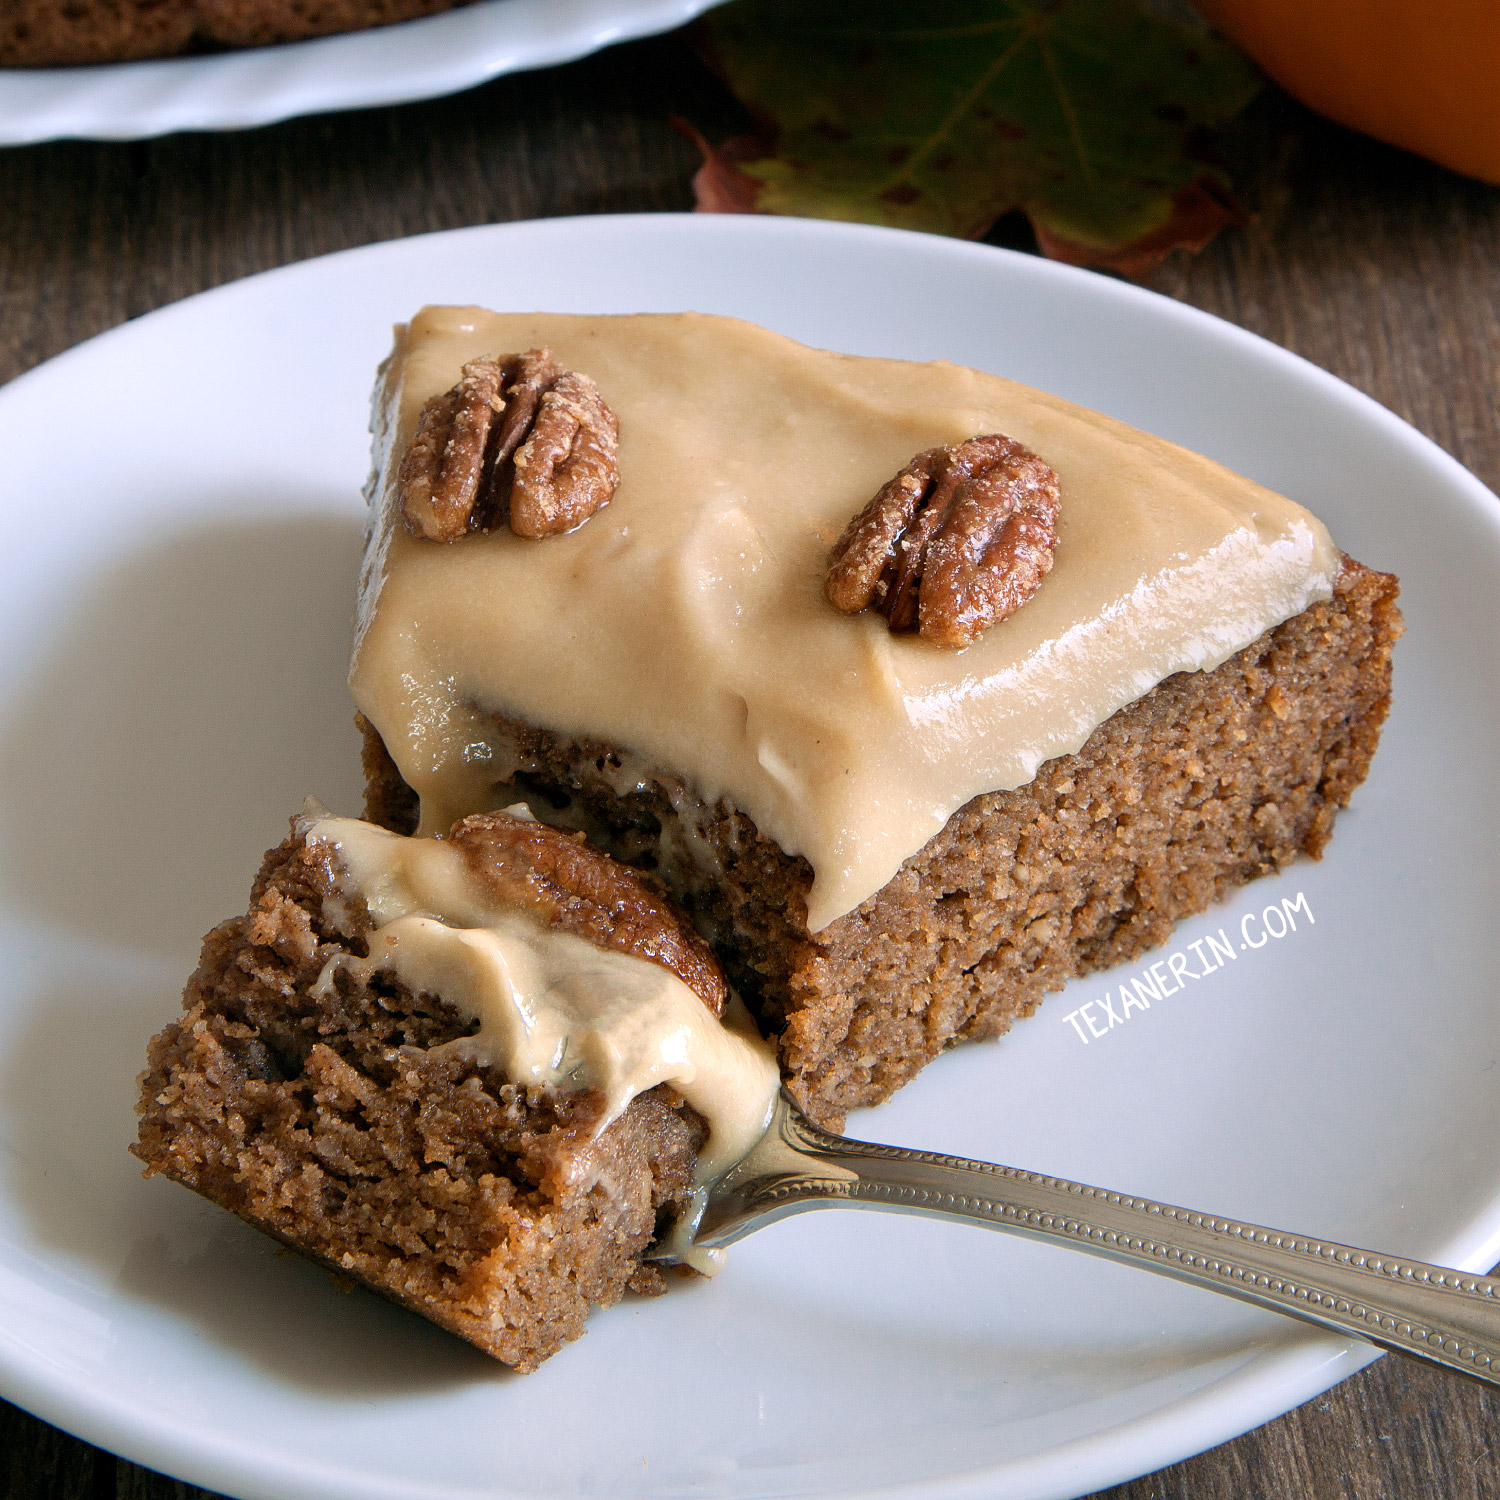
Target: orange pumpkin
<point>1423,74</point>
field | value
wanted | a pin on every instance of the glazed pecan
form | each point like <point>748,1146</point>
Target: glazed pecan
<point>516,439</point>
<point>571,885</point>
<point>958,541</point>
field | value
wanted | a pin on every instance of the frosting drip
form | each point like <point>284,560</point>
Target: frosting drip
<point>552,1008</point>
<point>686,623</point>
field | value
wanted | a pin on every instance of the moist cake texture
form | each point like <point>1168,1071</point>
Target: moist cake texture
<point>382,1127</point>
<point>50,34</point>
<point>1208,781</point>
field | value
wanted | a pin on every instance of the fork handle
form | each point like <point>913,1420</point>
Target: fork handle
<point>1445,1317</point>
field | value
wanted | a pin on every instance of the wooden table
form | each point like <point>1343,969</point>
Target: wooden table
<point>1373,264</point>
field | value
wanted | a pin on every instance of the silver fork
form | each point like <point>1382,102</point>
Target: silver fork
<point>1445,1317</point>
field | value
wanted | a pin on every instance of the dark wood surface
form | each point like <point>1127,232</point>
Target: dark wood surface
<point>1377,266</point>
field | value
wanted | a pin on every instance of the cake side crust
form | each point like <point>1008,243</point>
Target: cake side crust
<point>1208,781</point>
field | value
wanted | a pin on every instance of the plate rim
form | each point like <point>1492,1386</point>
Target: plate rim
<point>1268,1384</point>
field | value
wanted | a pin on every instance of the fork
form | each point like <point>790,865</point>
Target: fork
<point>1431,1313</point>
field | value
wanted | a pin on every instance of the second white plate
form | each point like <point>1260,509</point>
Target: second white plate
<point>183,518</point>
<point>387,65</point>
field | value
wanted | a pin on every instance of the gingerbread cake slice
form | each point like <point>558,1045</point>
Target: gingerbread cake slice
<point>479,1074</point>
<point>922,691</point>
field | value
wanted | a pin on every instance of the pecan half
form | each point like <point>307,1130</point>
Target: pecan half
<point>958,541</point>
<point>516,439</point>
<point>571,885</point>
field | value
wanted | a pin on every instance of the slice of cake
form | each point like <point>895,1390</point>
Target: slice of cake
<point>46,34</point>
<point>478,1074</point>
<point>909,761</point>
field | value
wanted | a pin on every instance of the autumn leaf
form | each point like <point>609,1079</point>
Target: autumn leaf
<point>1086,115</point>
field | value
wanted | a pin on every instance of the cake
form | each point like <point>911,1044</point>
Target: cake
<point>47,34</point>
<point>694,664</point>
<point>893,842</point>
<point>480,1075</point>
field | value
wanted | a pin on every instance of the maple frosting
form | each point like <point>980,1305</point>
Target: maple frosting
<point>686,622</point>
<point>552,1008</point>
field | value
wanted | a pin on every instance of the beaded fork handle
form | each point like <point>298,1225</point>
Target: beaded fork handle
<point>1445,1317</point>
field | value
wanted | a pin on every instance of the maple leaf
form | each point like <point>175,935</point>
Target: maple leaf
<point>1084,114</point>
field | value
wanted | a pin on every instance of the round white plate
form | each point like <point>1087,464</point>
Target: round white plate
<point>182,520</point>
<point>389,65</point>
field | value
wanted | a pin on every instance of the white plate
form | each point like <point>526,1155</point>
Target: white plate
<point>388,65</point>
<point>182,529</point>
